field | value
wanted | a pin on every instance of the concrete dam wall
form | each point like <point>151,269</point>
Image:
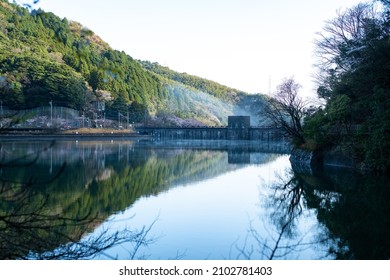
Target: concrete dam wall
<point>238,129</point>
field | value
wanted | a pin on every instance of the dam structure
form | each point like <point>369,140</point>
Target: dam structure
<point>238,128</point>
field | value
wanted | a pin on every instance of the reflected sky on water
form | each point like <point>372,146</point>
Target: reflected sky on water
<point>186,200</point>
<point>212,219</point>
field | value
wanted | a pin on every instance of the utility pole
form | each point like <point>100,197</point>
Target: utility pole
<point>269,85</point>
<point>1,112</point>
<point>127,118</point>
<point>51,113</point>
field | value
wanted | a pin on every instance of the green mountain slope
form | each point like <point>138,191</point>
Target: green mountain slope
<point>204,85</point>
<point>189,96</point>
<point>44,58</point>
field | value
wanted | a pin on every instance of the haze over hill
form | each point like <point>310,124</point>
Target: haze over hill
<point>44,58</point>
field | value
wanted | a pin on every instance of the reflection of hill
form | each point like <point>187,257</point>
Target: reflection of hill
<point>103,178</point>
<point>355,210</point>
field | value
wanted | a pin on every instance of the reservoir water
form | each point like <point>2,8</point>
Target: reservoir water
<point>184,200</point>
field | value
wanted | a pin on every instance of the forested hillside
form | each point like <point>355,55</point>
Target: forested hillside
<point>44,58</point>
<point>354,80</point>
<point>204,85</point>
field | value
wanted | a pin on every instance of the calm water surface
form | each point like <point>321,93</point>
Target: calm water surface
<point>185,200</point>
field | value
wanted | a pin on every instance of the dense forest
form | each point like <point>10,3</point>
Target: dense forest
<point>354,81</point>
<point>45,58</point>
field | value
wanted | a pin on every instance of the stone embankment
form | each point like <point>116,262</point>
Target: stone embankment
<point>307,161</point>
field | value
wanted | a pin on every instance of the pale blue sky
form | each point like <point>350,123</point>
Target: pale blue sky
<point>246,44</point>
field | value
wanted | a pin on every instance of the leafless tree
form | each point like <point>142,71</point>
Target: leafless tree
<point>347,27</point>
<point>339,44</point>
<point>286,110</point>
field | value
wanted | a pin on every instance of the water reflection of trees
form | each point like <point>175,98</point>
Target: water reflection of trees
<point>352,210</point>
<point>31,228</point>
<point>58,206</point>
<point>48,209</point>
<point>355,210</point>
<point>282,239</point>
<point>286,201</point>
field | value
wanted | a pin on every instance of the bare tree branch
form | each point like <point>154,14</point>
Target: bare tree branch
<point>339,44</point>
<point>286,110</point>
